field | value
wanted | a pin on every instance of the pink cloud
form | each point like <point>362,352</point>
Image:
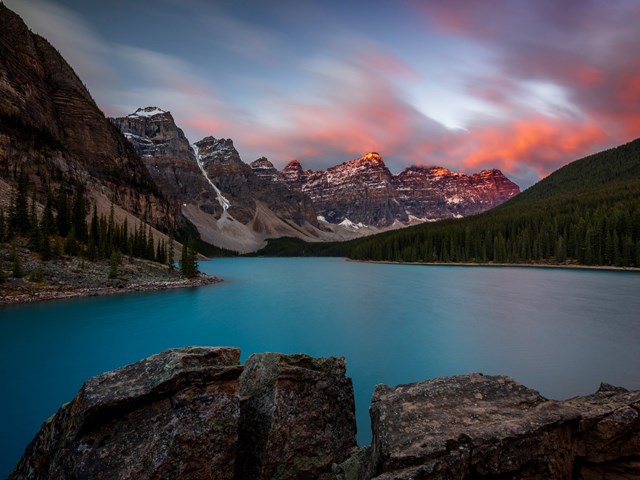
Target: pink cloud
<point>540,143</point>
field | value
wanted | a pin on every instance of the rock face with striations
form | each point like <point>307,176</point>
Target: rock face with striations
<point>51,129</point>
<point>297,417</point>
<point>196,413</point>
<point>435,193</point>
<point>490,427</point>
<point>166,153</point>
<point>360,191</point>
<point>224,197</point>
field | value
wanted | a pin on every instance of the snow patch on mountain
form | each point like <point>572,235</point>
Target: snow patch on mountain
<point>349,224</point>
<point>146,112</point>
<point>224,203</point>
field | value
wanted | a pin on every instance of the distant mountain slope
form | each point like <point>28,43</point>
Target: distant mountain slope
<point>601,171</point>
<point>587,212</point>
<point>52,130</point>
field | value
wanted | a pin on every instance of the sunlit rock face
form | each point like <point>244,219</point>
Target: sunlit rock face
<point>360,190</point>
<point>436,193</point>
<point>365,191</point>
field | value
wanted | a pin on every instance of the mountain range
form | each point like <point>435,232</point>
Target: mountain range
<point>236,205</point>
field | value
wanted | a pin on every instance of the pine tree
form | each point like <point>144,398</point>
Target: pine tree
<point>79,216</point>
<point>94,227</point>
<point>188,262</point>
<point>45,248</point>
<point>16,270</point>
<point>171,252</point>
<point>149,251</point>
<point>111,226</point>
<point>63,215</point>
<point>114,263</point>
<point>20,219</point>
<point>70,243</point>
<point>34,232</point>
<point>47,222</point>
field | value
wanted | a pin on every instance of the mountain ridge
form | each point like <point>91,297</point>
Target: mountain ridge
<point>351,199</point>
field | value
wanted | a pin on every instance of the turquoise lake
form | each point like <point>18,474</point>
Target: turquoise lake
<point>557,330</point>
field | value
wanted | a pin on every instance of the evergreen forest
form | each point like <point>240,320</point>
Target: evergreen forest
<point>63,227</point>
<point>586,213</point>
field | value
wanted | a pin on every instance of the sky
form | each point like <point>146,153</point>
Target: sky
<point>523,86</point>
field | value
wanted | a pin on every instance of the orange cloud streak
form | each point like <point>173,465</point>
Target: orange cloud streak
<point>539,143</point>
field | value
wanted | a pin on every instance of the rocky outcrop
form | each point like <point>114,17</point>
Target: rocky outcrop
<point>51,129</point>
<point>195,413</point>
<point>490,427</point>
<point>297,417</point>
<point>264,169</point>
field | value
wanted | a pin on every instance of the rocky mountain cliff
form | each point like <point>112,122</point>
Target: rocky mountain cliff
<point>365,191</point>
<point>231,206</point>
<point>361,191</point>
<point>52,130</point>
<point>435,193</point>
<point>196,413</point>
<point>165,152</point>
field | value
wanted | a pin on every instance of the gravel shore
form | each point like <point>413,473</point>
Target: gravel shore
<point>69,277</point>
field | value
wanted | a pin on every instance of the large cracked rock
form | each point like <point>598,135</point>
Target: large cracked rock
<point>297,417</point>
<point>188,413</point>
<point>490,427</point>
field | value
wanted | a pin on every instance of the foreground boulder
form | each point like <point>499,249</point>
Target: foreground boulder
<point>490,427</point>
<point>196,413</point>
<point>187,413</point>
<point>297,417</point>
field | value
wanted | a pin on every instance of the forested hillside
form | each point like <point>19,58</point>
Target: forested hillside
<point>588,212</point>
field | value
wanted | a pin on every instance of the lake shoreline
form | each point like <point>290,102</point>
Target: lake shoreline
<point>507,265</point>
<point>74,277</point>
<point>80,292</point>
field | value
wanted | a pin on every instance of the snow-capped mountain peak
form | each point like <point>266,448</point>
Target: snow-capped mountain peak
<point>147,112</point>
